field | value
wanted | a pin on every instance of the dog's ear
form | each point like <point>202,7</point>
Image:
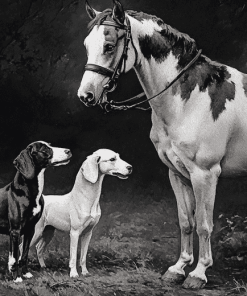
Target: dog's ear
<point>24,164</point>
<point>90,168</point>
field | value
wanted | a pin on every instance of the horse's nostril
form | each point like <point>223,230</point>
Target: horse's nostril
<point>87,97</point>
<point>130,169</point>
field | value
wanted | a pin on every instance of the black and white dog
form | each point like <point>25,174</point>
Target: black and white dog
<point>21,201</point>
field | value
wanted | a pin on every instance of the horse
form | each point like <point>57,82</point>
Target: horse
<point>199,124</point>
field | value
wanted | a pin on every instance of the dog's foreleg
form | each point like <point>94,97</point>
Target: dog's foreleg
<point>13,263</point>
<point>26,244</point>
<point>85,240</point>
<point>74,237</point>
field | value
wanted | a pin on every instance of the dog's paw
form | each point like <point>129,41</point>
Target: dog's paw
<point>18,280</point>
<point>84,272</point>
<point>73,274</point>
<point>27,275</point>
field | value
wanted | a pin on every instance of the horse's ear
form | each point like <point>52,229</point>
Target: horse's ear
<point>118,12</point>
<point>92,13</point>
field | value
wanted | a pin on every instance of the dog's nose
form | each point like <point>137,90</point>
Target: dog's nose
<point>130,169</point>
<point>67,151</point>
<point>88,97</point>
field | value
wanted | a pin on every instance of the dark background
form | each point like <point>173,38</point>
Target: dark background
<point>42,59</point>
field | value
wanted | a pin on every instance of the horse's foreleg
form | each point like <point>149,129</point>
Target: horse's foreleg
<point>204,185</point>
<point>186,206</point>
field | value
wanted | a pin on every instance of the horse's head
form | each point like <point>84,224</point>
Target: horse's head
<point>110,52</point>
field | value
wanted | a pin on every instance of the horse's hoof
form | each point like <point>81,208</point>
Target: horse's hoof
<point>194,283</point>
<point>74,275</point>
<point>173,278</point>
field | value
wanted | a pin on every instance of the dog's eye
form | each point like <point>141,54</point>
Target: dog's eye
<point>109,48</point>
<point>112,159</point>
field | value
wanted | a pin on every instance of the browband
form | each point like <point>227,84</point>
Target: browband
<point>114,24</point>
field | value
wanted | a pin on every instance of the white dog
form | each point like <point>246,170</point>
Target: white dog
<point>79,211</point>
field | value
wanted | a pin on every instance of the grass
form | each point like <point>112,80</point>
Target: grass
<point>131,248</point>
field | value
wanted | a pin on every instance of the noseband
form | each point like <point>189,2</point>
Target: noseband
<point>114,74</point>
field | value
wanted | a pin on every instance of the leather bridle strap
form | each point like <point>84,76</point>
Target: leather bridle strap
<point>118,106</point>
<point>113,74</point>
<point>99,70</point>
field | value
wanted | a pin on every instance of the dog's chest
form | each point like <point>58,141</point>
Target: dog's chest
<point>37,207</point>
<point>95,210</point>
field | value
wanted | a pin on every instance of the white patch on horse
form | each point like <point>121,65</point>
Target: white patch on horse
<point>37,209</point>
<point>95,41</point>
<point>169,64</point>
<point>149,27</point>
<point>11,261</point>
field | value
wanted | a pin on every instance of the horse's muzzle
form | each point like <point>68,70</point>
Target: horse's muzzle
<point>88,99</point>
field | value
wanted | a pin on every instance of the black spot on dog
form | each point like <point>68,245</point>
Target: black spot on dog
<point>211,76</point>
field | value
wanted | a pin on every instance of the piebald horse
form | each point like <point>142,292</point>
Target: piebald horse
<point>199,125</point>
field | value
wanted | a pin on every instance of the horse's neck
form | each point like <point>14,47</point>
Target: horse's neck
<point>155,75</point>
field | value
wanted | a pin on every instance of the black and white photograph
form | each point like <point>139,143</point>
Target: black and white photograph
<point>123,155</point>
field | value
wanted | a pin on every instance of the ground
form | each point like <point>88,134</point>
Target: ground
<point>131,248</point>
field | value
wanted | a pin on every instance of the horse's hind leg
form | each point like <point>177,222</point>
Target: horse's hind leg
<point>186,206</point>
<point>47,236</point>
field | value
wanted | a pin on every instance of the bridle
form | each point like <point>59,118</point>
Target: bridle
<point>114,74</point>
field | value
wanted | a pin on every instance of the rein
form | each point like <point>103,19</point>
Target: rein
<point>113,105</point>
<point>114,74</point>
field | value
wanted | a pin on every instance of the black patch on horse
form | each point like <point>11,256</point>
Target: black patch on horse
<point>161,43</point>
<point>155,46</point>
<point>207,75</point>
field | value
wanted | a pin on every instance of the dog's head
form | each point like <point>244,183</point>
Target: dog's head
<point>39,155</point>
<point>107,162</point>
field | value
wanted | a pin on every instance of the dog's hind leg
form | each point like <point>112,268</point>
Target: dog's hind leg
<point>45,239</point>
<point>85,239</point>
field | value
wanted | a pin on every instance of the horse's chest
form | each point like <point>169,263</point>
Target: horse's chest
<point>162,142</point>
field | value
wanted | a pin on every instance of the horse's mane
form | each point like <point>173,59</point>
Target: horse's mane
<point>174,36</point>
<point>180,42</point>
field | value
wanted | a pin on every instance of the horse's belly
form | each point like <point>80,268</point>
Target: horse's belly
<point>234,163</point>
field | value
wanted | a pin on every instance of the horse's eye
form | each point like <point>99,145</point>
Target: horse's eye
<point>109,48</point>
<point>112,159</point>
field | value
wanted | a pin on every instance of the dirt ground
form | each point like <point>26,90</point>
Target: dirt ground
<point>131,248</point>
